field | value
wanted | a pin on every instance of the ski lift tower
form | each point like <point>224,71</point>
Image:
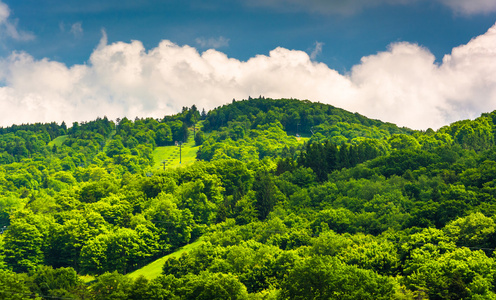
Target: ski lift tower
<point>180,144</point>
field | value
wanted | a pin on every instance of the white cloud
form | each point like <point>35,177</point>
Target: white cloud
<point>317,50</point>
<point>4,12</point>
<point>402,85</point>
<point>77,29</point>
<point>9,27</point>
<point>214,43</point>
<point>470,7</point>
<point>323,6</point>
<point>467,7</point>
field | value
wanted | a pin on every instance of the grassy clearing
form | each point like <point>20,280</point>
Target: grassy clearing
<point>58,141</point>
<point>303,139</point>
<point>170,154</point>
<point>154,269</point>
<point>87,278</point>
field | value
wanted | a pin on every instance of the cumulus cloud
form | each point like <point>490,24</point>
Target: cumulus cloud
<point>403,84</point>
<point>9,27</point>
<point>214,43</point>
<point>468,7</point>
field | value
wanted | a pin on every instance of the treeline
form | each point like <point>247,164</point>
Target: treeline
<point>324,158</point>
<point>253,129</point>
<point>296,117</point>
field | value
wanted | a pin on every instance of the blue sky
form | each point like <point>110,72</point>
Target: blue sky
<point>346,36</point>
<point>78,39</point>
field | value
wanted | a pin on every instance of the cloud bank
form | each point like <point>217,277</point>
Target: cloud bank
<point>403,84</point>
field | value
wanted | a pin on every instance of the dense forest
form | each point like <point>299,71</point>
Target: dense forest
<point>290,200</point>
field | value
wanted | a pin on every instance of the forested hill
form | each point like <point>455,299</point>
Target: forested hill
<point>290,199</point>
<point>296,116</point>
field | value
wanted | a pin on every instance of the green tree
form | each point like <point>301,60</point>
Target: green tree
<point>474,230</point>
<point>13,286</point>
<point>324,277</point>
<point>208,286</point>
<point>163,135</point>
<point>457,274</point>
<point>403,141</point>
<point>111,286</point>
<point>23,246</point>
<point>56,283</point>
<point>121,250</point>
<point>266,193</point>
<point>174,226</point>
<point>199,138</point>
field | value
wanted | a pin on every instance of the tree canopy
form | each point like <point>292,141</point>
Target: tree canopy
<point>290,199</point>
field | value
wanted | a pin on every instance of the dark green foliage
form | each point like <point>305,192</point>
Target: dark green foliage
<point>61,283</point>
<point>295,116</point>
<point>199,138</point>
<point>325,158</point>
<point>266,193</point>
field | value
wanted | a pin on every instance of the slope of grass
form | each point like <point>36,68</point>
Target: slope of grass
<point>88,279</point>
<point>154,269</point>
<point>171,155</point>
<point>58,141</point>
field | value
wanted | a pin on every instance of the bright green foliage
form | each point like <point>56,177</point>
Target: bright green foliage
<point>203,286</point>
<point>455,274</point>
<point>292,199</point>
<point>111,286</point>
<point>154,269</point>
<point>13,286</point>
<point>121,250</point>
<point>477,134</point>
<point>323,277</point>
<point>474,230</point>
<point>8,203</point>
<point>22,244</point>
<point>403,141</point>
<point>192,196</point>
<point>70,234</point>
<point>173,225</point>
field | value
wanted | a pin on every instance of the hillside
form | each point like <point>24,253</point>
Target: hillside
<point>154,269</point>
<point>291,199</point>
<point>175,155</point>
